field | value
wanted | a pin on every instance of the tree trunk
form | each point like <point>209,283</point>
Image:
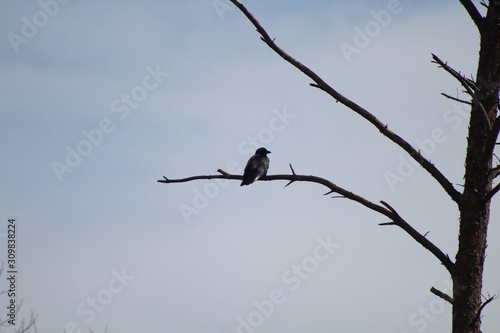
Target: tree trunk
<point>474,209</point>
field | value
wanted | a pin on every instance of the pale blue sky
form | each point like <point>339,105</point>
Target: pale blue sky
<point>202,89</point>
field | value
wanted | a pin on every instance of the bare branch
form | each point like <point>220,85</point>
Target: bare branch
<point>491,193</point>
<point>320,84</point>
<point>188,179</point>
<point>478,315</point>
<point>292,178</point>
<point>442,295</point>
<point>421,239</point>
<point>293,173</point>
<point>387,223</point>
<point>469,86</point>
<point>473,13</point>
<point>25,327</point>
<point>456,99</point>
<point>387,211</point>
<point>390,208</point>
<point>495,172</point>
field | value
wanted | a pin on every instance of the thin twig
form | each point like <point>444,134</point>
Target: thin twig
<point>456,99</point>
<point>478,315</point>
<point>188,179</point>
<point>390,208</point>
<point>469,85</point>
<point>387,223</point>
<point>293,173</point>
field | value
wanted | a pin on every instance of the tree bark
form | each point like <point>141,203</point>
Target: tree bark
<point>475,202</point>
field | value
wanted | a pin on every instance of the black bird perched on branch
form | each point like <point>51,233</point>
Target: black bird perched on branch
<point>256,167</point>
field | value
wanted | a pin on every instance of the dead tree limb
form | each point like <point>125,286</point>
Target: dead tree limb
<point>473,13</point>
<point>384,209</point>
<point>383,128</point>
<point>468,85</point>
<point>478,315</point>
<point>442,295</point>
<point>291,178</point>
<point>491,193</point>
<point>495,172</point>
<point>456,99</point>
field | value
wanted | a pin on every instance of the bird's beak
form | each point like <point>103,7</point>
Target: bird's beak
<point>268,152</point>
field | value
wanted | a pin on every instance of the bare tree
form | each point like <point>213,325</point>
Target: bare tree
<point>473,201</point>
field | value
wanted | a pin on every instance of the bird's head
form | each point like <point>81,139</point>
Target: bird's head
<point>262,151</point>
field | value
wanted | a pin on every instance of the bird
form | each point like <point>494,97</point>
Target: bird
<point>256,167</point>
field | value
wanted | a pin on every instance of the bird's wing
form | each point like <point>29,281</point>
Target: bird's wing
<point>253,163</point>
